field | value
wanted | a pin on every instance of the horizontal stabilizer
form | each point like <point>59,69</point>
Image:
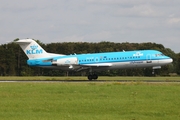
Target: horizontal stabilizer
<point>24,41</point>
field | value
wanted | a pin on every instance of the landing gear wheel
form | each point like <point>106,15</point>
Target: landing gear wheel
<point>92,76</point>
<point>95,76</point>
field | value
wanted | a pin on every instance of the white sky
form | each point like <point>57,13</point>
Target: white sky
<point>134,21</point>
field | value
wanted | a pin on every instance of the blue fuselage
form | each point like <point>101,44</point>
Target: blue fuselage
<point>110,60</point>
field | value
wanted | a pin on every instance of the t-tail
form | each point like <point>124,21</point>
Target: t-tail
<point>32,49</point>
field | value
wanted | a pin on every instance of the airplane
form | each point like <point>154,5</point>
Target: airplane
<point>93,62</point>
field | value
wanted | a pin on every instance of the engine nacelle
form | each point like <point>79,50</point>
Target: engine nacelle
<point>65,61</point>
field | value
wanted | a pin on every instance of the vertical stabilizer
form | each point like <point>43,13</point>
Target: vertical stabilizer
<point>32,49</point>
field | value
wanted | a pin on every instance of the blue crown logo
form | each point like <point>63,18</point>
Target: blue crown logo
<point>33,47</point>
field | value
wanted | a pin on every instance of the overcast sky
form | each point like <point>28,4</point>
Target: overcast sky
<point>134,21</point>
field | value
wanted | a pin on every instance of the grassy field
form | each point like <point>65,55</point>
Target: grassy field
<point>89,101</point>
<point>85,78</point>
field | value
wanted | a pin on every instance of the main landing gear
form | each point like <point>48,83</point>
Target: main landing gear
<point>92,76</point>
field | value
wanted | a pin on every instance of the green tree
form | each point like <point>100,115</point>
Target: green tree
<point>13,61</point>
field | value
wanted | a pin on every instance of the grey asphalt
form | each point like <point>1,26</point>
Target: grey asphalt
<point>97,81</point>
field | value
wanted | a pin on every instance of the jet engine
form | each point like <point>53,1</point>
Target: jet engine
<point>65,61</point>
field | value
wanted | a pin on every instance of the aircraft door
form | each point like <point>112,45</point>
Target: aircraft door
<point>148,58</point>
<point>97,59</point>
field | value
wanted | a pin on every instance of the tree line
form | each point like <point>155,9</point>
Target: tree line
<point>13,60</point>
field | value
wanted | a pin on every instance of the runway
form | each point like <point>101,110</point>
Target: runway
<point>96,81</point>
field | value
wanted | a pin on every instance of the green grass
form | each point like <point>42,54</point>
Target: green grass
<point>89,101</point>
<point>85,78</point>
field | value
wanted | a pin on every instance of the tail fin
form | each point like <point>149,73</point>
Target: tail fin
<point>32,49</point>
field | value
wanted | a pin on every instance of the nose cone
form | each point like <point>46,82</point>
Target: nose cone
<point>166,61</point>
<point>170,60</point>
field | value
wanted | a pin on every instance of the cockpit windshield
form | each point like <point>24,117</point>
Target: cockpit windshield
<point>158,55</point>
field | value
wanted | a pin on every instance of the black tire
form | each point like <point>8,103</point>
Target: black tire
<point>95,76</point>
<point>90,77</point>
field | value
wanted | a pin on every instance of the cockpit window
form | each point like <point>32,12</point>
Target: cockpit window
<point>158,55</point>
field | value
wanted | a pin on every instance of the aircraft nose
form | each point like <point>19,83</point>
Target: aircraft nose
<point>166,61</point>
<point>170,60</point>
